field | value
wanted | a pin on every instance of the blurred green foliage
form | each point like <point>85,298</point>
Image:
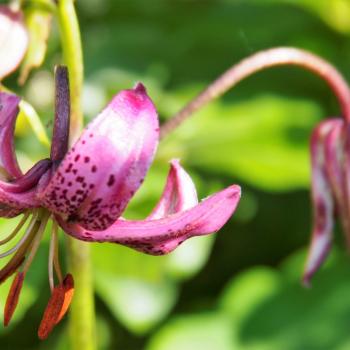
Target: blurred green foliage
<point>209,293</point>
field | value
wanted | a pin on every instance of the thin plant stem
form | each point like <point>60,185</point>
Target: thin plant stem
<point>82,312</point>
<point>257,62</point>
<point>73,58</point>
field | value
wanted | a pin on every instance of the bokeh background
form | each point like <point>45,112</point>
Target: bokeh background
<point>239,289</point>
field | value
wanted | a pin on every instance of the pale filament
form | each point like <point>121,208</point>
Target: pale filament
<point>53,257</point>
<point>24,237</point>
<point>36,242</point>
<point>17,229</point>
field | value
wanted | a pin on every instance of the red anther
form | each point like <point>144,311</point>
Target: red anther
<point>12,298</point>
<point>57,306</point>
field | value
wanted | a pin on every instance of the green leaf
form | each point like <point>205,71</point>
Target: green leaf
<point>133,286</point>
<point>263,141</point>
<point>38,23</point>
<point>242,296</point>
<point>27,111</point>
<point>206,331</point>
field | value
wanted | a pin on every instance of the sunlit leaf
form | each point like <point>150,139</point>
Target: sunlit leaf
<point>206,331</point>
<point>38,23</point>
<point>263,141</point>
<point>27,111</point>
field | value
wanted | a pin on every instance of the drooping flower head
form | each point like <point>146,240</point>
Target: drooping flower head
<point>85,190</point>
<point>329,146</point>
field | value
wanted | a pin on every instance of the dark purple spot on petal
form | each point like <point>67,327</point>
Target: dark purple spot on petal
<point>111,180</point>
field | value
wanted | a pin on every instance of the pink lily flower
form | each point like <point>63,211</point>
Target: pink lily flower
<point>86,189</point>
<point>14,40</point>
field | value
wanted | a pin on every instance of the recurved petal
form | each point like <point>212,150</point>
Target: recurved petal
<point>179,193</point>
<point>161,236</point>
<point>101,173</point>
<point>14,40</point>
<point>334,163</point>
<point>8,114</point>
<point>322,201</point>
<point>22,192</point>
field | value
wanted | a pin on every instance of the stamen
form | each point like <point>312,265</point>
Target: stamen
<point>53,257</point>
<point>23,239</point>
<point>12,298</point>
<point>57,306</point>
<point>56,261</point>
<point>17,229</point>
<point>37,239</point>
<point>18,258</point>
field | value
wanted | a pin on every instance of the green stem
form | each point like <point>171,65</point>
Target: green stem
<point>82,313</point>
<point>73,58</point>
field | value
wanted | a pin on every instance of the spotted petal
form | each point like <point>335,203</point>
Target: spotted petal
<point>14,40</point>
<point>100,174</point>
<point>161,236</point>
<point>8,114</point>
<point>322,199</point>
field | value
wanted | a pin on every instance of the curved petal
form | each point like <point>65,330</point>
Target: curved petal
<point>21,193</point>
<point>179,193</point>
<point>29,180</point>
<point>322,200</point>
<point>8,114</point>
<point>333,148</point>
<point>13,40</point>
<point>101,173</point>
<point>161,236</point>
<point>334,163</point>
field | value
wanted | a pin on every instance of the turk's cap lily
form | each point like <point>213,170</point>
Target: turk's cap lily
<point>86,189</point>
<point>14,39</point>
